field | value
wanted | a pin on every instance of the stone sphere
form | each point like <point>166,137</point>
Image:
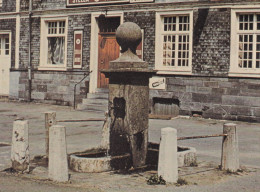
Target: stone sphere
<point>128,35</point>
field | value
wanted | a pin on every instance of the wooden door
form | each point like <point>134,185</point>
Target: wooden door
<point>108,50</point>
<point>5,62</point>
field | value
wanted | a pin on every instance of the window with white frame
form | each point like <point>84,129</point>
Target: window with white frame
<point>53,43</point>
<point>1,2</point>
<point>174,42</point>
<point>245,44</point>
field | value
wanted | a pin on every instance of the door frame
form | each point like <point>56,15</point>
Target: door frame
<point>8,32</point>
<point>94,46</point>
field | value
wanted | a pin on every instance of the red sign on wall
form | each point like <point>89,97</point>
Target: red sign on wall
<point>77,49</point>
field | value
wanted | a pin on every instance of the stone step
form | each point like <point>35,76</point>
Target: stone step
<point>88,101</point>
<point>97,96</point>
<point>91,107</point>
<point>102,90</point>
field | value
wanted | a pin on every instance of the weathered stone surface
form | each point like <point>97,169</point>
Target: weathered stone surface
<point>58,162</point>
<point>20,146</point>
<point>168,161</point>
<point>129,98</point>
<point>128,36</point>
<point>230,151</point>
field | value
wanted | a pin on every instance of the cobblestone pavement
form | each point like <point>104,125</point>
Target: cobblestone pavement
<point>82,135</point>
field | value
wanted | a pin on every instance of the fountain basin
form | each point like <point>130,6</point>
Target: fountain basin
<point>96,160</point>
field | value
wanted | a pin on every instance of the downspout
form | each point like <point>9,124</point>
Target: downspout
<point>29,54</point>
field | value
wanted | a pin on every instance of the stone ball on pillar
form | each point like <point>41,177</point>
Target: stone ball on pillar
<point>128,36</point>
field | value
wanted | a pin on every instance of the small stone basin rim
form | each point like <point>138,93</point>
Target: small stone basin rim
<point>96,159</point>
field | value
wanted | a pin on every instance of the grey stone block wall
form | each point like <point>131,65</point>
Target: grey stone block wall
<point>9,25</point>
<point>218,98</point>
<point>14,85</point>
<point>53,87</point>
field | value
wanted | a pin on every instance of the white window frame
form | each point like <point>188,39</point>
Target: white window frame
<point>44,44</point>
<point>159,43</point>
<point>235,70</point>
<point>1,3</point>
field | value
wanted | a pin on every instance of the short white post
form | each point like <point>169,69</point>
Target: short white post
<point>50,119</point>
<point>168,162</point>
<point>20,146</point>
<point>230,151</point>
<point>58,162</point>
<point>105,132</point>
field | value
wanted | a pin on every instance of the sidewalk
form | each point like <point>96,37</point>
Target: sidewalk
<point>85,135</point>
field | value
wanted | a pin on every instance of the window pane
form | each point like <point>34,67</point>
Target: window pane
<point>7,46</point>
<point>184,23</point>
<point>62,27</point>
<point>257,64</point>
<point>56,50</point>
<point>169,23</point>
<point>258,21</point>
<point>52,27</point>
<point>246,22</point>
<point>245,52</point>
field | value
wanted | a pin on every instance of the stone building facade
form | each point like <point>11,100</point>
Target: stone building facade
<point>206,53</point>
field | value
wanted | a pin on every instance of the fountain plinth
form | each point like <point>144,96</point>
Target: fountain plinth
<point>129,97</point>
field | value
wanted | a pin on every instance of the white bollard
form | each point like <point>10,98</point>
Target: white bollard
<point>230,151</point>
<point>168,162</point>
<point>58,162</point>
<point>20,146</point>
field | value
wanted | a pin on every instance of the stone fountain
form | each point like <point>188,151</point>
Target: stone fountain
<point>128,110</point>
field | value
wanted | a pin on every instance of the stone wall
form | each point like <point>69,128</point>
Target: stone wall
<point>211,42</point>
<point>79,22</point>
<point>43,4</point>
<point>56,87</point>
<point>8,6</point>
<point>24,43</point>
<point>215,97</point>
<point>9,25</point>
<point>52,87</point>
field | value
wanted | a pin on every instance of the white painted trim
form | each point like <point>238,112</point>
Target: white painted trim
<point>43,47</point>
<point>7,88</point>
<point>51,68</point>
<point>94,48</point>
<point>168,72</point>
<point>257,75</point>
<point>158,45</point>
<point>17,41</point>
<point>18,4</point>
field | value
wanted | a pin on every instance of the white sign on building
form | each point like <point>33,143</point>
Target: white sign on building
<point>157,83</point>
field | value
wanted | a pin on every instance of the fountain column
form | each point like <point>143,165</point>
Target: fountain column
<point>129,97</point>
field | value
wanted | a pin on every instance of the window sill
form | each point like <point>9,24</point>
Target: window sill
<point>240,74</point>
<point>52,68</point>
<point>169,72</point>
